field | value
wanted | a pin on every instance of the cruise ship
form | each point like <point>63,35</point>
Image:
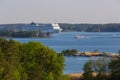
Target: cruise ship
<point>51,28</point>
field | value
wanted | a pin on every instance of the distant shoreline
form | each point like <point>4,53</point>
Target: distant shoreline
<point>96,54</point>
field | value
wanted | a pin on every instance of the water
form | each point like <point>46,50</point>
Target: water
<point>104,42</point>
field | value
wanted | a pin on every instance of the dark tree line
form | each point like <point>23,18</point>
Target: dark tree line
<point>23,34</point>
<point>91,27</point>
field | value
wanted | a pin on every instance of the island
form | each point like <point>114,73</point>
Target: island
<point>96,53</point>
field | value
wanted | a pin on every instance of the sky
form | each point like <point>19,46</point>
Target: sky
<point>59,11</point>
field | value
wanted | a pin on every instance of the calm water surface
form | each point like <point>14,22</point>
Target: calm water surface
<point>107,42</point>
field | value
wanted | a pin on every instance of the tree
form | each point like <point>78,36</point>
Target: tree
<point>9,63</point>
<point>29,61</point>
<point>114,66</point>
<point>119,52</point>
<point>68,52</point>
<point>40,61</point>
<point>87,75</point>
<point>48,34</point>
<point>98,66</point>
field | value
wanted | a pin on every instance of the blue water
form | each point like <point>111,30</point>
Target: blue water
<point>104,42</point>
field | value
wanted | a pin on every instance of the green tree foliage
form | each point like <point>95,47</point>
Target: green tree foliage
<point>9,62</point>
<point>40,61</point>
<point>69,52</point>
<point>98,66</point>
<point>114,65</point>
<point>87,75</point>
<point>29,61</point>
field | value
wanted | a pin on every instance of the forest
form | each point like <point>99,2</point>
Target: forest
<point>113,27</point>
<point>24,34</point>
<point>29,61</point>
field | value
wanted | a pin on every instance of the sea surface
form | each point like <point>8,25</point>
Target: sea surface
<point>102,41</point>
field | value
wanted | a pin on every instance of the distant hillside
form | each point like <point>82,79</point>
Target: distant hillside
<point>91,27</point>
<point>113,27</point>
<point>10,26</point>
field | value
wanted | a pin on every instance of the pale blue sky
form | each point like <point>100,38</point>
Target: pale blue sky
<point>60,11</point>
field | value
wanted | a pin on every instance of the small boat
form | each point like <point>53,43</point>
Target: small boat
<point>79,36</point>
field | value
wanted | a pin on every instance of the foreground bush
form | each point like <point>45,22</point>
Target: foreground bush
<point>29,61</point>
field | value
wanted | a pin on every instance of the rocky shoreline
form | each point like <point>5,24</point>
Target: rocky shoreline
<point>97,54</point>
